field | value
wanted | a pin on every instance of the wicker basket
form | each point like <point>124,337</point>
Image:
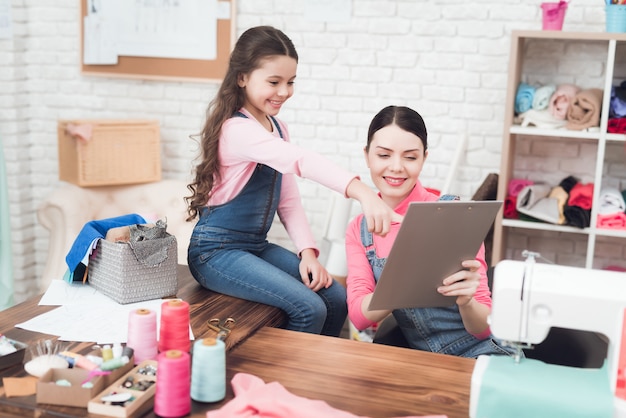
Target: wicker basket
<point>115,271</point>
<point>118,152</point>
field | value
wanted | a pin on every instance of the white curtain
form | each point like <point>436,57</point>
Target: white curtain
<point>6,266</point>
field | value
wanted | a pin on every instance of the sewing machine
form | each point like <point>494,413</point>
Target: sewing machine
<point>528,299</point>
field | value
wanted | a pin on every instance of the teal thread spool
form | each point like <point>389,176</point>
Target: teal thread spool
<point>208,370</point>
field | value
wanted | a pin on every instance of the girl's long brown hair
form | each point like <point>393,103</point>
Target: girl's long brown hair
<point>252,47</point>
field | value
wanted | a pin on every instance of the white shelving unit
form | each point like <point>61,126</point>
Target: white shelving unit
<point>588,60</point>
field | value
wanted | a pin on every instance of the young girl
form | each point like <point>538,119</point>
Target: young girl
<point>395,154</point>
<point>247,174</point>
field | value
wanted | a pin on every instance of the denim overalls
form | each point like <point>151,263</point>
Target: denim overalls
<point>229,253</point>
<point>439,330</point>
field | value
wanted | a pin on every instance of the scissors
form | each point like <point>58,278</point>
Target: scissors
<point>222,328</point>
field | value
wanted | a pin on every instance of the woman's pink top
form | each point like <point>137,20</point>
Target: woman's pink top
<point>244,143</point>
<point>360,281</point>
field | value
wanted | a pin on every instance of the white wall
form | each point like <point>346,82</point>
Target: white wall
<point>448,59</point>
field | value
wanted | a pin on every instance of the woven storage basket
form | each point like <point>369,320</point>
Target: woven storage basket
<point>118,152</point>
<point>115,271</point>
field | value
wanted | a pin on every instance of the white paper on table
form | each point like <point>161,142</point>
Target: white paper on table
<point>103,323</point>
<point>60,292</point>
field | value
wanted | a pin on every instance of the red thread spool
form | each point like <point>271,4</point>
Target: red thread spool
<point>173,385</point>
<point>174,331</point>
<point>142,334</point>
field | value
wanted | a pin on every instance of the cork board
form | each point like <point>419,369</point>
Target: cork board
<point>168,68</point>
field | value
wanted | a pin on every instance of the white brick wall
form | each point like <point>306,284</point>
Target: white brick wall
<point>446,59</point>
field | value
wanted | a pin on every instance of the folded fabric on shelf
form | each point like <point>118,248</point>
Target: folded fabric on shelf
<point>584,112</point>
<point>516,185</point>
<point>561,196</point>
<point>568,183</point>
<point>541,119</point>
<point>541,99</point>
<point>577,216</point>
<point>617,126</point>
<point>524,97</point>
<point>510,211</point>
<point>561,99</point>
<point>534,201</point>
<point>581,195</point>
<point>612,221</point>
<point>611,201</point>
<point>617,106</point>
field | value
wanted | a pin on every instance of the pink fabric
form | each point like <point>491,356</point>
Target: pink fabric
<point>244,143</point>
<point>255,398</point>
<point>561,100</point>
<point>581,195</point>
<point>612,221</point>
<point>516,185</point>
<point>82,131</point>
<point>360,281</point>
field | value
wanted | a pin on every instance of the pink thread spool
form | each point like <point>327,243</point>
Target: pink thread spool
<point>142,334</point>
<point>173,386</point>
<point>174,329</point>
<point>553,15</point>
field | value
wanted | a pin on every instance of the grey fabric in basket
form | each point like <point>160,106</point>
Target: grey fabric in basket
<point>115,271</point>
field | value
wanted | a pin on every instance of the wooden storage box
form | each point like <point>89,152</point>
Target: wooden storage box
<point>142,396</point>
<point>109,152</point>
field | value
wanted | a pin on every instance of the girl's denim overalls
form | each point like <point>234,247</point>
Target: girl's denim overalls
<point>229,253</point>
<point>439,330</point>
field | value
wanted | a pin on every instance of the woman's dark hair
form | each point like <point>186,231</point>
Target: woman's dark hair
<point>253,46</point>
<point>402,116</point>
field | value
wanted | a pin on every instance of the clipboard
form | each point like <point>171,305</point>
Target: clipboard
<point>434,238</point>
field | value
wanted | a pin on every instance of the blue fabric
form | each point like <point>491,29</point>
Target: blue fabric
<point>541,97</point>
<point>229,253</point>
<point>617,106</point>
<point>524,97</point>
<point>93,230</point>
<point>439,330</point>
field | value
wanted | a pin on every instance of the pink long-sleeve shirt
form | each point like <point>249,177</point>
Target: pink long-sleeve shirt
<point>244,143</point>
<point>360,281</point>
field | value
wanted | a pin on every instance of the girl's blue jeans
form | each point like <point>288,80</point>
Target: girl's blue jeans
<point>269,274</point>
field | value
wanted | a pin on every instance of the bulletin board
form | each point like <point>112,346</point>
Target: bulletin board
<point>168,68</point>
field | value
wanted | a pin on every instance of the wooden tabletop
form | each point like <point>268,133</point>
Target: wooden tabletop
<point>365,379</point>
<point>203,306</point>
<point>362,378</point>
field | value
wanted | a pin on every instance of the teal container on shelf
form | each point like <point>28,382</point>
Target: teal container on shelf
<point>616,18</point>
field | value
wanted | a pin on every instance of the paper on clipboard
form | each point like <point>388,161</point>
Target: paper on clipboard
<point>433,240</point>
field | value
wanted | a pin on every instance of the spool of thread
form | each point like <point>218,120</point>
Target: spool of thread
<point>208,370</point>
<point>114,363</point>
<point>142,334</point>
<point>171,396</point>
<point>107,353</point>
<point>174,330</point>
<point>85,363</point>
<point>117,350</point>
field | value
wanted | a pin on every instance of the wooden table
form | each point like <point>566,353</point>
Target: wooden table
<point>365,379</point>
<point>362,378</point>
<point>203,305</point>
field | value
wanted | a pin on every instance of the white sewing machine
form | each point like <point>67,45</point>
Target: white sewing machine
<point>529,298</point>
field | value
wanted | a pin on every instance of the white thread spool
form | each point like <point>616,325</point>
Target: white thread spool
<point>208,370</point>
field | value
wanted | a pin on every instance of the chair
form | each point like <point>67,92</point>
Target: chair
<point>67,209</point>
